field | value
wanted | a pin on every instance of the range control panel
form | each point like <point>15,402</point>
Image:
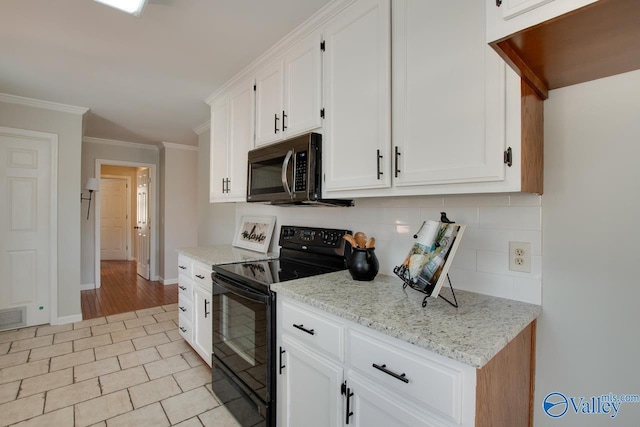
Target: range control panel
<point>294,237</point>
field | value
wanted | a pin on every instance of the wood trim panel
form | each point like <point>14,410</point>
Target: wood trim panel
<point>532,111</point>
<point>504,388</point>
<point>599,40</point>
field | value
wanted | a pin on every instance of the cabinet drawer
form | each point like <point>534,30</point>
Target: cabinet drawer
<point>185,265</point>
<point>185,307</point>
<point>185,328</point>
<point>417,377</point>
<point>313,329</point>
<point>202,274</point>
<point>185,287</point>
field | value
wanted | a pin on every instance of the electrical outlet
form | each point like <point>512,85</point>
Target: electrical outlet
<point>520,256</point>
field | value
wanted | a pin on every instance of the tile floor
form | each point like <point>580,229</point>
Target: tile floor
<point>130,369</point>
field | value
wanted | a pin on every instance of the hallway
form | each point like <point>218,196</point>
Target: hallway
<point>122,291</point>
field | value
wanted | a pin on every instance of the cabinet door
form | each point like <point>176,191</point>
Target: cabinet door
<point>241,113</point>
<point>511,16</point>
<point>371,406</point>
<point>202,328</point>
<point>448,101</point>
<point>357,91</point>
<point>511,8</point>
<point>302,86</point>
<point>308,388</point>
<point>219,146</point>
<point>269,105</point>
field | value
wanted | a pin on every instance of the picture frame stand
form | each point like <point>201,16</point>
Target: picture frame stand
<point>401,272</point>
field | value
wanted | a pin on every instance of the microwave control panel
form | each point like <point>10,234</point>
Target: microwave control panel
<point>300,171</point>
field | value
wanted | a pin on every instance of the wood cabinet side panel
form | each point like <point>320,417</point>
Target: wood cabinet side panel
<point>504,385</point>
<point>532,141</point>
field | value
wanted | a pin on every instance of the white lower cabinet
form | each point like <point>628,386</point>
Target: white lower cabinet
<point>372,405</point>
<point>185,298</point>
<point>194,305</point>
<point>202,328</point>
<point>308,388</point>
<point>364,378</point>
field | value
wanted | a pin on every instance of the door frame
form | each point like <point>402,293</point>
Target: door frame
<point>129,237</point>
<point>53,213</point>
<point>153,195</point>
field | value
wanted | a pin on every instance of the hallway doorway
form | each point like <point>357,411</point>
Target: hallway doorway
<point>140,236</point>
<point>123,290</point>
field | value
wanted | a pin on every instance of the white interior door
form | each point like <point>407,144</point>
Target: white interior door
<point>113,219</point>
<point>142,223</point>
<point>25,231</point>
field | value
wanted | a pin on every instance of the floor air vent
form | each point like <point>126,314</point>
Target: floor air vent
<point>12,318</point>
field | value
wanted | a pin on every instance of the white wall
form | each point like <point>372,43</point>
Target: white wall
<point>68,127</point>
<point>587,336</point>
<point>108,150</point>
<point>179,212</point>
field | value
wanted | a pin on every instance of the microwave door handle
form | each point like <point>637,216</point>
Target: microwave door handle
<point>285,166</point>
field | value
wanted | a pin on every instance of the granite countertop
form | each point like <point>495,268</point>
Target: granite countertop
<point>223,254</point>
<point>471,334</point>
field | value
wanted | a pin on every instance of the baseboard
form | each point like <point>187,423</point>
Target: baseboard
<point>168,281</point>
<point>88,287</point>
<point>69,319</point>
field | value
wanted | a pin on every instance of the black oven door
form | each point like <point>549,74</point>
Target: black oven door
<point>243,351</point>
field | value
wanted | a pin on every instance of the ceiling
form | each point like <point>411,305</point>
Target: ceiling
<point>144,79</point>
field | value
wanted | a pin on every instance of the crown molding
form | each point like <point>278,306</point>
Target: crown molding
<point>179,146</point>
<point>312,24</point>
<point>37,103</point>
<point>119,143</point>
<point>202,128</point>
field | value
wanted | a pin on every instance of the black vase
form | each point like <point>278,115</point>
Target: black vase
<point>363,264</point>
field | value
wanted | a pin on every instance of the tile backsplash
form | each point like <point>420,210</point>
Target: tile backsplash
<point>482,261</point>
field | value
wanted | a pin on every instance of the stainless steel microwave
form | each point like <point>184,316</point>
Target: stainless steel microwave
<point>288,172</point>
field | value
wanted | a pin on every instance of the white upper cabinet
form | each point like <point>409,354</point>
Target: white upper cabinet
<point>232,118</point>
<point>457,110</point>
<point>288,92</point>
<point>448,97</point>
<point>506,17</point>
<point>357,98</point>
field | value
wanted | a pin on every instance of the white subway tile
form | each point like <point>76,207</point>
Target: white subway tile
<point>489,284</point>
<point>487,239</point>
<point>525,218</point>
<point>465,259</point>
<point>533,237</point>
<point>525,199</point>
<point>475,200</point>
<point>527,290</point>
<point>493,262</point>
<point>400,216</point>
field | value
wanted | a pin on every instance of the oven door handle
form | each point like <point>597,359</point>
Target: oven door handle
<point>241,292</point>
<point>285,166</point>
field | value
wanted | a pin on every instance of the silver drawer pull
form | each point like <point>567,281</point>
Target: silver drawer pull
<point>402,377</point>
<point>199,276</point>
<point>303,329</point>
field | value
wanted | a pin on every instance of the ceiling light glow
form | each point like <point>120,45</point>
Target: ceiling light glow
<point>133,7</point>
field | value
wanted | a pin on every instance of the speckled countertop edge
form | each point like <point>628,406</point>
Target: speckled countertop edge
<point>223,254</point>
<point>471,334</point>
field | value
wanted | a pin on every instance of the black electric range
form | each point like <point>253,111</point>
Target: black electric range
<point>244,316</point>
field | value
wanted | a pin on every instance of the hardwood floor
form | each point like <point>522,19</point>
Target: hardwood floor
<point>122,290</point>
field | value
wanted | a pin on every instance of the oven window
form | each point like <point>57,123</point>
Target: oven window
<point>266,176</point>
<point>240,338</point>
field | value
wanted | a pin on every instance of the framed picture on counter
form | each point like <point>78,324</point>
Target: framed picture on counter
<point>254,233</point>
